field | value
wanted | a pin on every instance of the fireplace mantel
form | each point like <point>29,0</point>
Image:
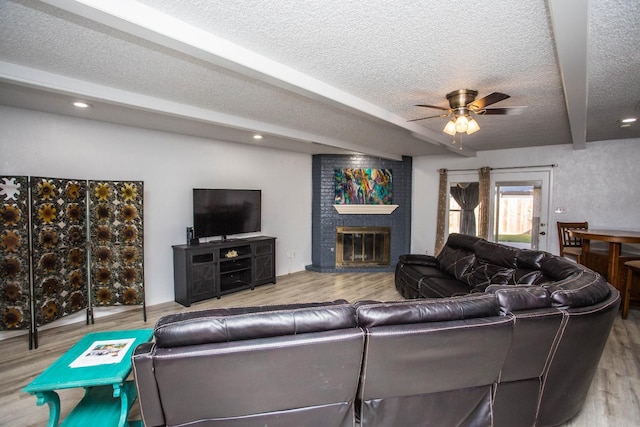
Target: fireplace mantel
<point>365,209</point>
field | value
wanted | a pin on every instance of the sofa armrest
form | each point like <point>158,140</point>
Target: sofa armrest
<point>418,259</point>
<point>143,371</point>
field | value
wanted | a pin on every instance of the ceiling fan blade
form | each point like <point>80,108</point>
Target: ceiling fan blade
<point>506,111</point>
<point>433,106</point>
<point>492,98</point>
<point>430,117</point>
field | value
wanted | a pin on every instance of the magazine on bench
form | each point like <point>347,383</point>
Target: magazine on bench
<point>103,352</point>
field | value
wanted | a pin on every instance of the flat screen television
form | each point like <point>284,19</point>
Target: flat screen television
<point>223,212</point>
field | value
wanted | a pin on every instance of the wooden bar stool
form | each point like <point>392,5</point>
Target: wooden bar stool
<point>571,247</point>
<point>633,267</point>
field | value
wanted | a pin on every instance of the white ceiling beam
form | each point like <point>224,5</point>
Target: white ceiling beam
<point>570,22</point>
<point>150,24</point>
<point>89,91</point>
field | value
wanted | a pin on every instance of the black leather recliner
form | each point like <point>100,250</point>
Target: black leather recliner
<point>292,365</point>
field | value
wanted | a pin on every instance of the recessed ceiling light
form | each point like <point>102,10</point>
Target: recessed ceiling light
<point>257,136</point>
<point>80,104</point>
<point>629,120</point>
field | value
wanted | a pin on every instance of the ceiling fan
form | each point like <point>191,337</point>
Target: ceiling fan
<point>463,102</point>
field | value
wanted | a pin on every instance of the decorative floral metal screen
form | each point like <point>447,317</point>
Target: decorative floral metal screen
<point>116,234</point>
<point>58,227</point>
<point>15,295</point>
<point>60,273</point>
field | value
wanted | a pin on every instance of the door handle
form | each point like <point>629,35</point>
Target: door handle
<point>543,233</point>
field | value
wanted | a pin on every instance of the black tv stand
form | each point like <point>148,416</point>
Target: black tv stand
<point>221,267</point>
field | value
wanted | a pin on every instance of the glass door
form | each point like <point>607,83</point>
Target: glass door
<point>520,208</point>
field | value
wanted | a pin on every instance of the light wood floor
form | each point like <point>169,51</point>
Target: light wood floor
<point>614,398</point>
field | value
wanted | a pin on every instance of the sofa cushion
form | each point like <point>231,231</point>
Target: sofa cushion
<point>524,276</point>
<point>372,313</point>
<point>234,324</point>
<point>455,262</point>
<point>417,272</point>
<point>441,287</point>
<point>482,275</point>
<point>528,267</point>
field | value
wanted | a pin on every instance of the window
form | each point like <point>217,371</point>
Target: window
<point>463,208</point>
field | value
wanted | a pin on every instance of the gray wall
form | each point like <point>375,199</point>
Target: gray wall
<point>598,184</point>
<point>171,165</point>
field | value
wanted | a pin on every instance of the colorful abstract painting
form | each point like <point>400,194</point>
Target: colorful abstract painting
<point>363,186</point>
<point>116,234</point>
<point>59,240</point>
<point>15,294</point>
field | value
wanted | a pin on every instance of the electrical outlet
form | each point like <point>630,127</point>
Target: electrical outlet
<point>560,210</point>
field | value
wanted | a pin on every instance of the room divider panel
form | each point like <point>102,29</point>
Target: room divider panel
<point>58,245</point>
<point>116,235</point>
<point>68,245</point>
<point>15,298</point>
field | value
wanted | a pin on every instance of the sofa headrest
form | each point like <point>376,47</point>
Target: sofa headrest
<point>372,313</point>
<point>530,259</point>
<point>244,323</point>
<point>559,268</point>
<point>496,254</point>
<point>514,298</point>
<point>462,241</point>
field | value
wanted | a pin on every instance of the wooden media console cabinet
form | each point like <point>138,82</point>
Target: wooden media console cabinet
<point>212,269</point>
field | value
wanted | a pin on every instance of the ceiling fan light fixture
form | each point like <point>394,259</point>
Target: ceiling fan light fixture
<point>462,124</point>
<point>462,103</point>
<point>472,127</point>
<point>450,128</point>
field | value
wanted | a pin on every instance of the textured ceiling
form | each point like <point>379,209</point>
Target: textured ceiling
<point>337,76</point>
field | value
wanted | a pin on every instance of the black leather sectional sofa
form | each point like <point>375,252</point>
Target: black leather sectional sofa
<point>518,352</point>
<point>563,311</point>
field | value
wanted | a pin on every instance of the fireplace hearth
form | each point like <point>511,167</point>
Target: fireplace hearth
<point>362,246</point>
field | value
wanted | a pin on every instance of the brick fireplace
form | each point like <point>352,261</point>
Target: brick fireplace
<point>327,221</point>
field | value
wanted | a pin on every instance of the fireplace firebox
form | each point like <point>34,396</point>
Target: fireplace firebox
<point>362,246</point>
